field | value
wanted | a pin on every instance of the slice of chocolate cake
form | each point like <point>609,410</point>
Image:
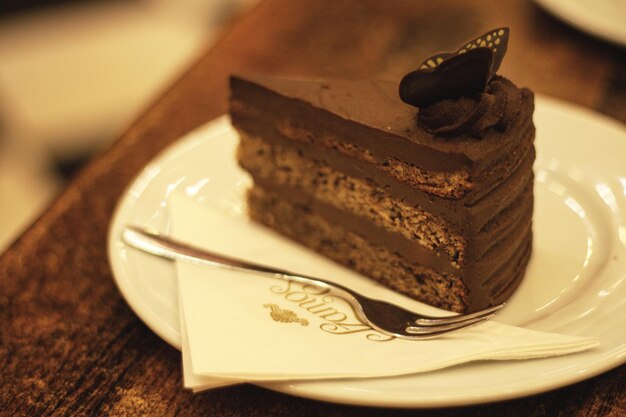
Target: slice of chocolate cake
<point>434,203</point>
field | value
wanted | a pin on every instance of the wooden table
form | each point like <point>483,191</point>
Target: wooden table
<point>69,344</point>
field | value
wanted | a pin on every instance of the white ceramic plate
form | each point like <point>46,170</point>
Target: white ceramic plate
<point>605,19</point>
<point>575,284</point>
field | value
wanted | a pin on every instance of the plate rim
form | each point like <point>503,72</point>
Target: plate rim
<point>576,16</point>
<point>219,126</point>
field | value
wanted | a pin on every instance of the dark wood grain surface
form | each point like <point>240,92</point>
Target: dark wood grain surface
<point>69,344</point>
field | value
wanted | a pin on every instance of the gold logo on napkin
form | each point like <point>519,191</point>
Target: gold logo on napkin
<point>285,316</point>
<point>316,300</point>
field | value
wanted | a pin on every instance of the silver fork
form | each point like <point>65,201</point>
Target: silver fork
<point>386,318</point>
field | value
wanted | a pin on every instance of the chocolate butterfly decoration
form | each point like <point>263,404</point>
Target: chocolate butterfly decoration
<point>450,75</point>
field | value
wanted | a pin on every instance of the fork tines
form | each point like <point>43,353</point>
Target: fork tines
<point>434,326</point>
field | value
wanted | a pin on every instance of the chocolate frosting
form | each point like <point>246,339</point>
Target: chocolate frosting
<point>369,115</point>
<point>498,108</point>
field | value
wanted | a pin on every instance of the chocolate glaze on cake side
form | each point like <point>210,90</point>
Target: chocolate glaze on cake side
<point>435,202</point>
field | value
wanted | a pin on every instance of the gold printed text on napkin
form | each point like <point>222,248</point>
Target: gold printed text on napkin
<point>336,319</point>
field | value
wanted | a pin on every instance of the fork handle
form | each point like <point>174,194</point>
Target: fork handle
<point>169,248</point>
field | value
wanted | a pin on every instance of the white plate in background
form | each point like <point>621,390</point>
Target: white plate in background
<point>605,19</point>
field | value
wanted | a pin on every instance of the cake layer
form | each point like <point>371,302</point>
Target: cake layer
<point>447,184</point>
<point>495,247</point>
<point>352,250</point>
<point>381,124</point>
<point>468,218</point>
<point>452,184</point>
<point>396,266</point>
<point>409,249</point>
<point>495,253</point>
<point>283,168</point>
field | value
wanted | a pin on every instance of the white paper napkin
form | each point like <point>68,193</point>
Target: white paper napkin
<point>239,327</point>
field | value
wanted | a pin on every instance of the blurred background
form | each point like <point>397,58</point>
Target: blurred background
<point>74,75</point>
